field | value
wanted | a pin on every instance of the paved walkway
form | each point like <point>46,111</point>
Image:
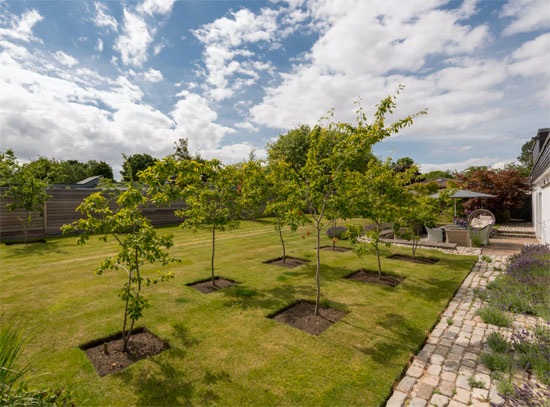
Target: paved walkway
<point>439,375</point>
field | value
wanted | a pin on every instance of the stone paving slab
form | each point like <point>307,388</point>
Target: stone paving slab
<point>440,374</point>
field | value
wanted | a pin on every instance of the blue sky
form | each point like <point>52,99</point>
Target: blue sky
<point>96,79</point>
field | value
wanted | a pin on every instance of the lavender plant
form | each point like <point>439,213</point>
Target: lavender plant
<point>528,395</point>
<point>524,287</point>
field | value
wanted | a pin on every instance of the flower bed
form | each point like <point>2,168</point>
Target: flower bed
<point>524,287</point>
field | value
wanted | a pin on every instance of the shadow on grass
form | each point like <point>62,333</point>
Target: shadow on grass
<point>35,249</point>
<point>399,337</point>
<point>270,299</point>
<point>433,289</point>
<point>167,383</point>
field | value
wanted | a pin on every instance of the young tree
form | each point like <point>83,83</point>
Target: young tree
<point>213,200</point>
<point>212,194</point>
<point>120,216</point>
<point>273,190</point>
<point>377,195</point>
<point>329,164</point>
<point>419,209</point>
<point>25,190</point>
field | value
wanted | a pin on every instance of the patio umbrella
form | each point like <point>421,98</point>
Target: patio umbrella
<point>464,193</point>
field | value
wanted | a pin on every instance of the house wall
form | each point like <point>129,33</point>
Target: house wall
<point>541,206</point>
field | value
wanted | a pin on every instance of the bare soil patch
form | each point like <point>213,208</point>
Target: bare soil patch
<point>336,248</point>
<point>300,315</point>
<point>141,345</point>
<point>420,260</point>
<point>206,287</point>
<point>29,242</point>
<point>290,262</point>
<point>370,276</point>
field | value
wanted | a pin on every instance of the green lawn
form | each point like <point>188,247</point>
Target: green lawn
<point>223,348</point>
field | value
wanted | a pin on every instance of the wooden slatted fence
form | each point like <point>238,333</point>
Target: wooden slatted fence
<point>60,209</point>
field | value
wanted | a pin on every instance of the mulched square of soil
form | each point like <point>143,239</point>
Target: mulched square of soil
<point>29,242</point>
<point>420,260</point>
<point>336,248</point>
<point>290,262</point>
<point>206,287</point>
<point>141,345</point>
<point>369,276</point>
<point>300,315</point>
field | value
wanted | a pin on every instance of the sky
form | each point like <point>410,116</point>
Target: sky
<point>98,79</point>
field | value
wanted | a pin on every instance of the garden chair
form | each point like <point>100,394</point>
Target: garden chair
<point>480,223</point>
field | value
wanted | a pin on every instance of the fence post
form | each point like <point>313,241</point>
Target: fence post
<point>45,218</point>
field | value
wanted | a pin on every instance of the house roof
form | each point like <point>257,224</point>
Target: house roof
<point>89,180</point>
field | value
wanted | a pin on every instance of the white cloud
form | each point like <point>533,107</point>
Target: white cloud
<point>195,120</point>
<point>368,48</point>
<point>229,64</point>
<point>134,41</point>
<point>22,26</point>
<point>65,59</point>
<point>233,153</point>
<point>152,75</point>
<point>247,126</point>
<point>102,19</point>
<point>492,162</point>
<point>156,7</point>
<point>532,58</point>
<point>158,48</point>
<point>83,114</point>
<point>99,45</point>
<point>527,16</point>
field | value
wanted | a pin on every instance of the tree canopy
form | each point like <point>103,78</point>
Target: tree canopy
<point>118,214</point>
<point>509,187</point>
<point>135,163</point>
<point>69,171</point>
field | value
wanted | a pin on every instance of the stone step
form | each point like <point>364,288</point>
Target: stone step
<point>530,235</point>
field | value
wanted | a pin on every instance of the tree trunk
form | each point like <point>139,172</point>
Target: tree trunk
<point>213,252</point>
<point>26,225</point>
<point>137,296</point>
<point>282,240</point>
<point>414,244</point>
<point>378,252</point>
<point>316,312</point>
<point>333,234</point>
<point>124,336</point>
